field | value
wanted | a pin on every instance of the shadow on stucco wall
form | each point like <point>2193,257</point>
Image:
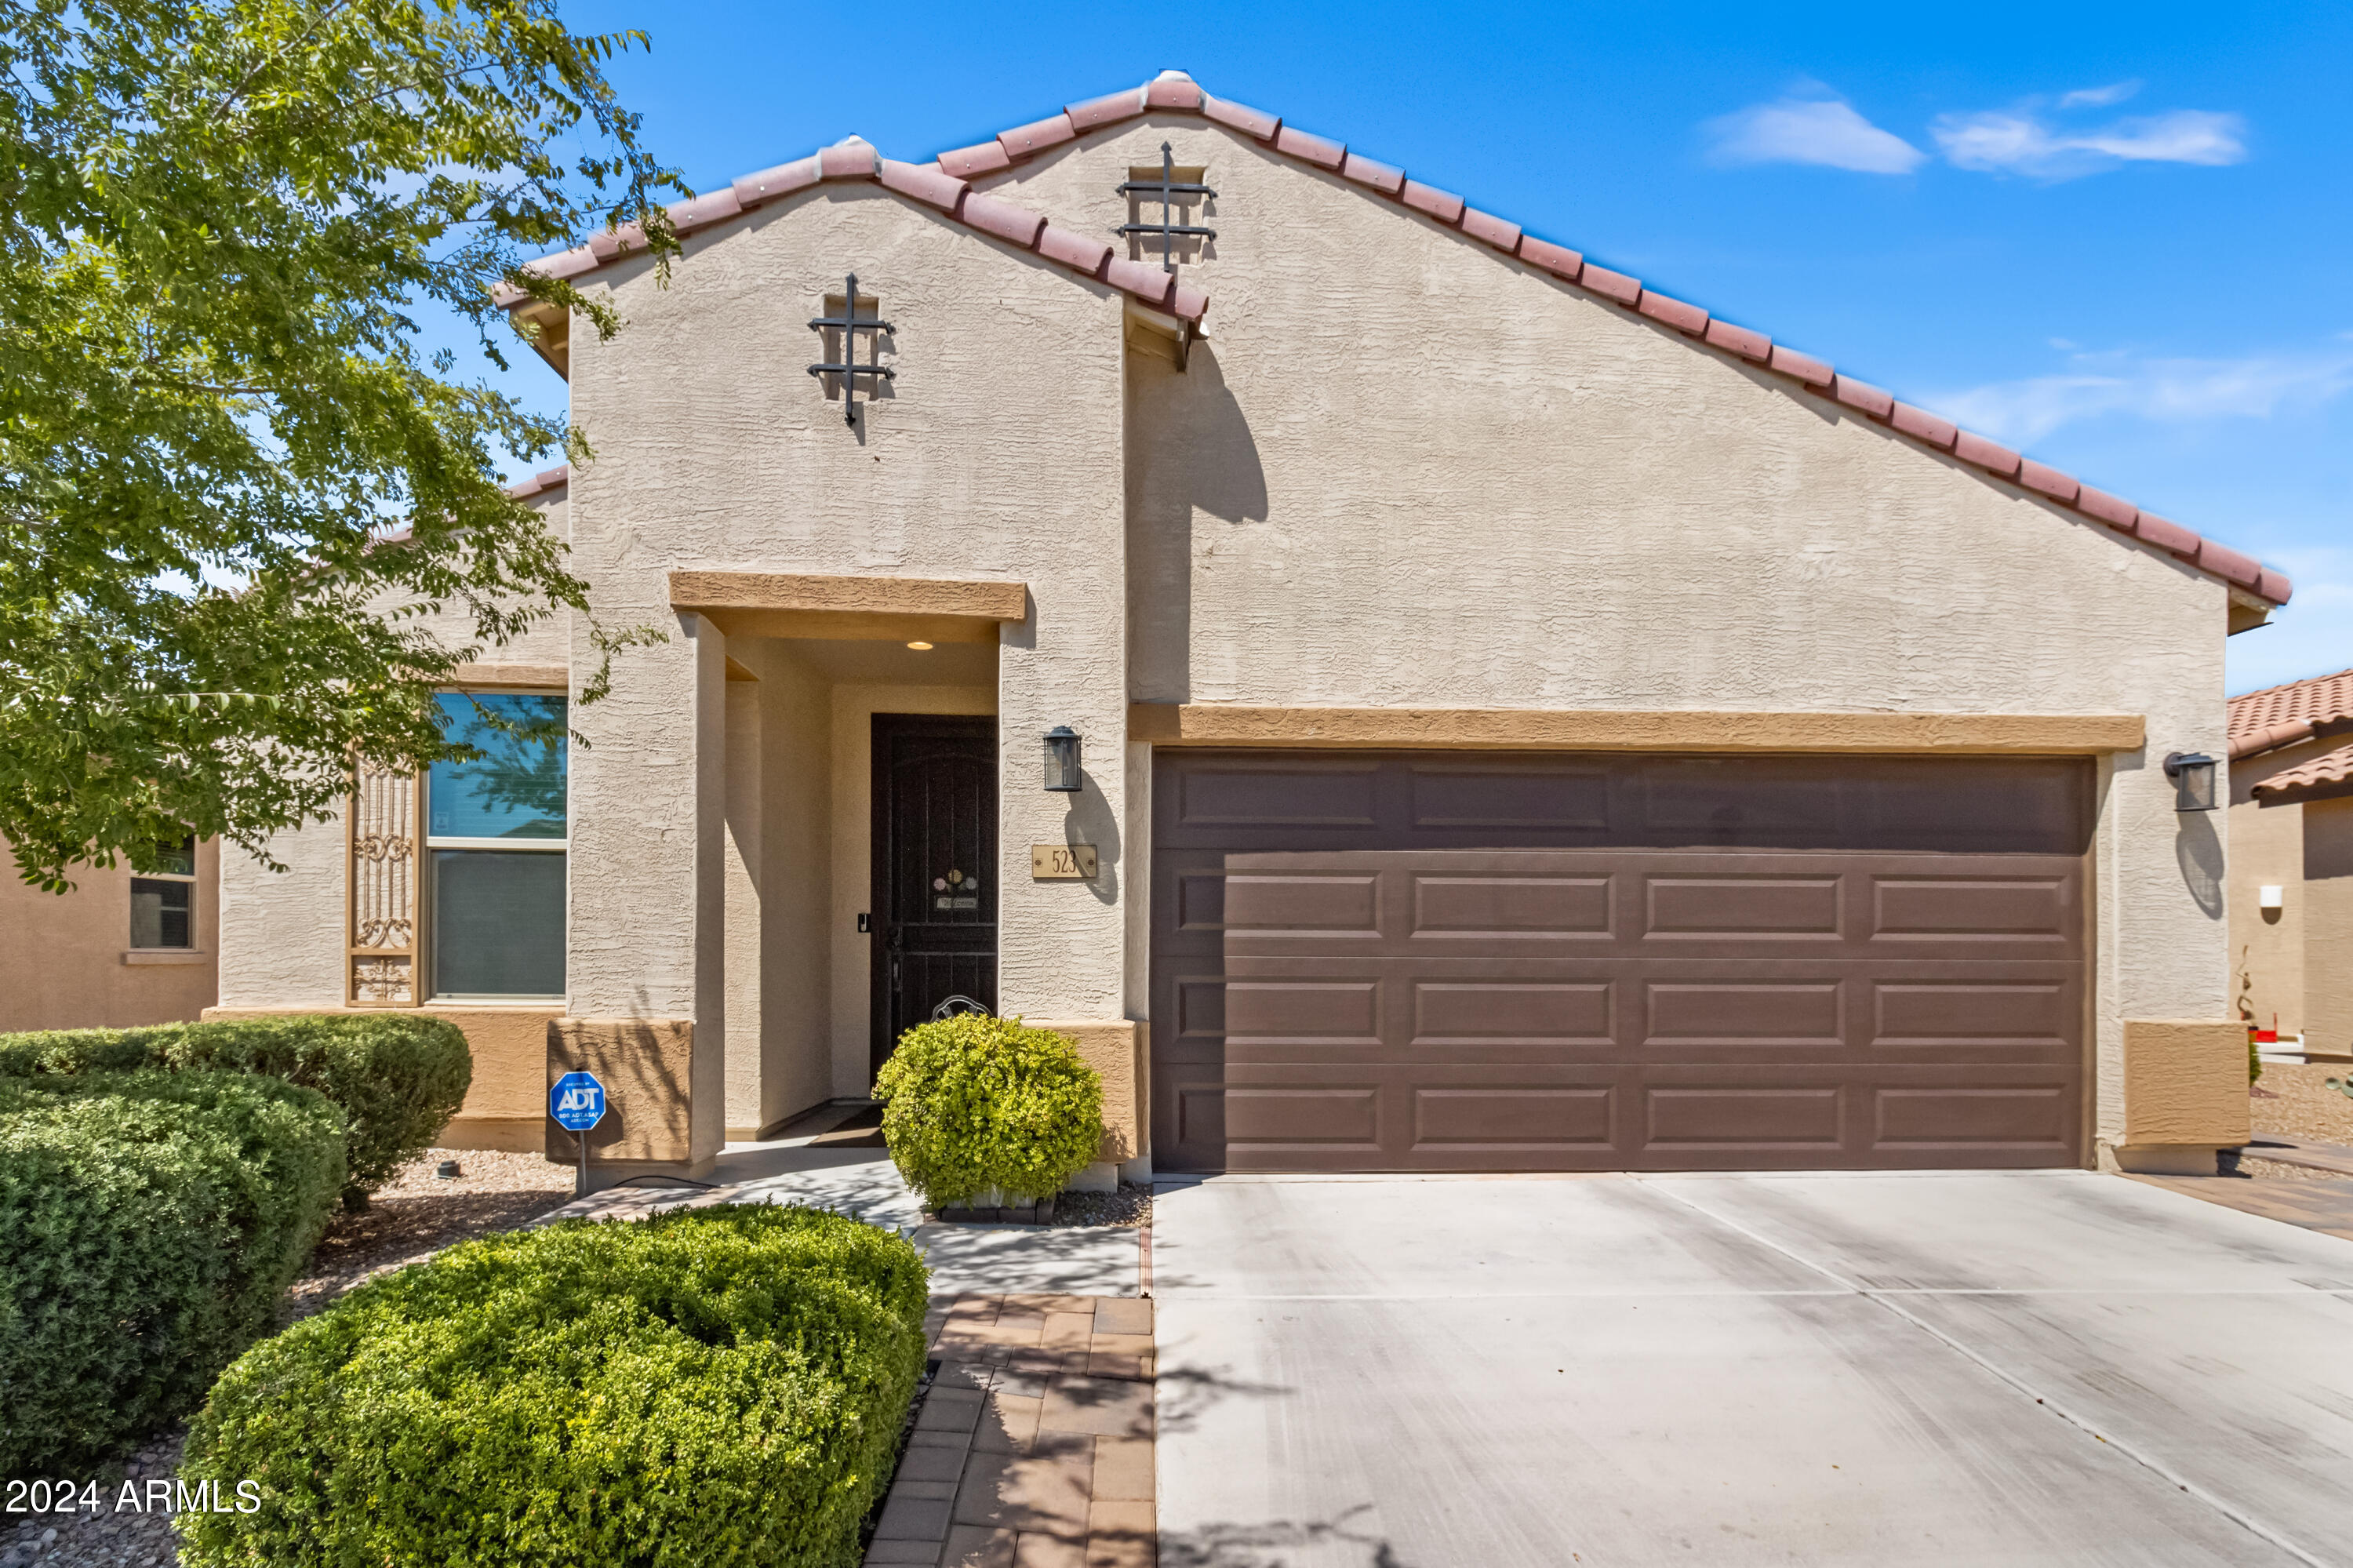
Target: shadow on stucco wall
<point>2198,849</point>
<point>1090,821</point>
<point>1190,451</point>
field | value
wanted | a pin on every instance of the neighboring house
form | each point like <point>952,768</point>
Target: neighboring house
<point>1521,721</point>
<point>2292,860</point>
<point>123,948</point>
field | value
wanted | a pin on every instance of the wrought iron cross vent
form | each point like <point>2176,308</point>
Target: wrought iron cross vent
<point>1167,189</point>
<point>849,369</point>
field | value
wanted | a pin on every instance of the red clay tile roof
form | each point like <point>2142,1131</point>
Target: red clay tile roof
<point>1174,92</point>
<point>2329,767</point>
<point>941,185</point>
<point>545,480</point>
<point>2282,715</point>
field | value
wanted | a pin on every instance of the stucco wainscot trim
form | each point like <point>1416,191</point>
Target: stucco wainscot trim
<point>1114,1048</point>
<point>647,1067</point>
<point>2055,735</point>
<point>506,1105</point>
<point>2185,1094</point>
<point>777,604</point>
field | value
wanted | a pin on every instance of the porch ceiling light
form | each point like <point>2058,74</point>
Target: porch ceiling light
<point>2192,773</point>
<point>1063,760</point>
<point>921,647</point>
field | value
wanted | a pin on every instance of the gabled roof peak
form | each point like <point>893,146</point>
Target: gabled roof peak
<point>944,185</point>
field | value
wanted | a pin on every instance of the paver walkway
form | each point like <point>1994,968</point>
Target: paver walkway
<point>1852,1369</point>
<point>1034,1448</point>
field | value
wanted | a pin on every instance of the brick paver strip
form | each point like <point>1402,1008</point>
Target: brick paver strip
<point>1033,1448</point>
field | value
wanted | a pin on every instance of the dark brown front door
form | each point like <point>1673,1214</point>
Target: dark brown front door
<point>1431,962</point>
<point>934,869</point>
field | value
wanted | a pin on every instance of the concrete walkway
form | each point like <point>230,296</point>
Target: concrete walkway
<point>2055,1368</point>
<point>862,1184</point>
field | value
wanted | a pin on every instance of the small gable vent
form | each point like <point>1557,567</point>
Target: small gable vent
<point>1177,191</point>
<point>851,318</point>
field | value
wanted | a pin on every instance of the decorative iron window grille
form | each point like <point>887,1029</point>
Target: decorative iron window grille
<point>1165,190</point>
<point>849,324</point>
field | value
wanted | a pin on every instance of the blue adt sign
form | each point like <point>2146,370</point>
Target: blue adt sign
<point>576,1102</point>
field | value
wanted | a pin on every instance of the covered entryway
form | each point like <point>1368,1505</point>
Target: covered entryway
<point>1449,962</point>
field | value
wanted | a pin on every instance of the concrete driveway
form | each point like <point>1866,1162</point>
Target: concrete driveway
<point>2037,1368</point>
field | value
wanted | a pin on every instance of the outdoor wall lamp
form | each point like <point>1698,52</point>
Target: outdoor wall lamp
<point>2192,773</point>
<point>1063,760</point>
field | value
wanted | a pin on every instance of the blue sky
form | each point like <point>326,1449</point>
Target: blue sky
<point>2116,236</point>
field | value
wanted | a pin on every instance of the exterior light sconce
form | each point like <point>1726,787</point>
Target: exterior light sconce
<point>2192,773</point>
<point>1063,760</point>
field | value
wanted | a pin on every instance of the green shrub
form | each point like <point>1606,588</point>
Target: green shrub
<point>398,1077</point>
<point>973,1101</point>
<point>713,1385</point>
<point>149,1224</point>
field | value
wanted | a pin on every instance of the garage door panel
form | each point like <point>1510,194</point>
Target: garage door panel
<point>1515,798</point>
<point>1730,1012</point>
<point>1679,907</point>
<point>1556,1013</point>
<point>1747,963</point>
<point>2033,911</point>
<point>1479,1120</point>
<point>1278,903</point>
<point>1513,909</point>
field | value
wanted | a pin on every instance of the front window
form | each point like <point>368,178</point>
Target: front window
<point>496,832</point>
<point>164,901</point>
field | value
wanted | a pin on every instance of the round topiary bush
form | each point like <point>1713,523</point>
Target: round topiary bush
<point>973,1101</point>
<point>713,1385</point>
<point>150,1223</point>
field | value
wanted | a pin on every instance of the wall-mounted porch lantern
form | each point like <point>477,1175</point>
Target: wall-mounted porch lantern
<point>1063,760</point>
<point>2192,773</point>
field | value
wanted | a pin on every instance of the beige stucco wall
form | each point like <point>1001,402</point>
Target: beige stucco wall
<point>997,456</point>
<point>2267,949</point>
<point>1405,471</point>
<point>66,960</point>
<point>2328,926</point>
<point>797,1020</point>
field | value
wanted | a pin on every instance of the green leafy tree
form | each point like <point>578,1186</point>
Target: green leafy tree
<point>222,445</point>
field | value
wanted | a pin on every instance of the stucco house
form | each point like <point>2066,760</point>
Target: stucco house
<point>2291,894</point>
<point>1403,695</point>
<point>122,948</point>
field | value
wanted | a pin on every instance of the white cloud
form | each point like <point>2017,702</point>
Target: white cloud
<point>2020,142</point>
<point>1825,131</point>
<point>2099,97</point>
<point>2169,391</point>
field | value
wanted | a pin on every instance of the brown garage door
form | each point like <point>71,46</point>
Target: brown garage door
<point>1433,961</point>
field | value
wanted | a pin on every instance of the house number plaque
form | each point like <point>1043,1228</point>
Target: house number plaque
<point>1063,862</point>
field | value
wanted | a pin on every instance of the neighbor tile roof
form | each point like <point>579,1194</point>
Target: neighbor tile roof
<point>2282,715</point>
<point>2329,767</point>
<point>1174,92</point>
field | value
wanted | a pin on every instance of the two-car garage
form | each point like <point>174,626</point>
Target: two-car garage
<point>1492,962</point>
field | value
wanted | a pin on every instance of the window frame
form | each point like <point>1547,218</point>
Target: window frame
<point>428,989</point>
<point>187,878</point>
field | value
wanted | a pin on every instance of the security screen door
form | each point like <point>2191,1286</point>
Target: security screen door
<point>934,915</point>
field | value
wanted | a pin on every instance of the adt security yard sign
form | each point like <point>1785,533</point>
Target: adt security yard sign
<point>577,1101</point>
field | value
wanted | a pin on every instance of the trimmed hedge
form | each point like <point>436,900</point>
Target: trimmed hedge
<point>713,1385</point>
<point>398,1077</point>
<point>973,1101</point>
<point>149,1224</point>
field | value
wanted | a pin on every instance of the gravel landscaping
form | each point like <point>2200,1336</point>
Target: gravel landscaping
<point>1130,1208</point>
<point>2294,1100</point>
<point>412,1216</point>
